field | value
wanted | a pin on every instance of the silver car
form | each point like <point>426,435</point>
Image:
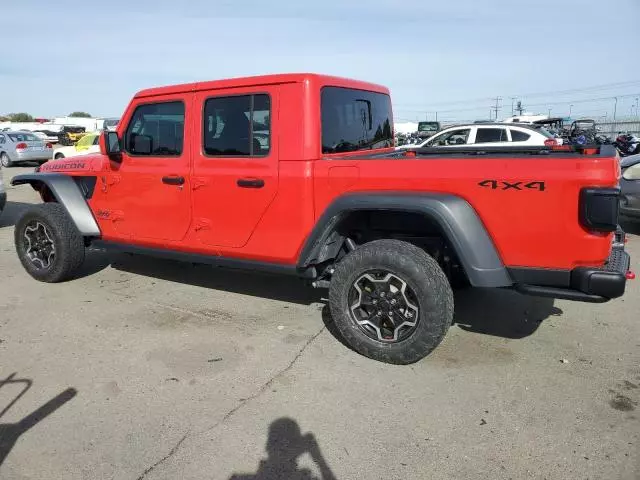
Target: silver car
<point>22,147</point>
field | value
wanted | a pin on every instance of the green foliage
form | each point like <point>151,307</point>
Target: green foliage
<point>19,117</point>
<point>80,115</point>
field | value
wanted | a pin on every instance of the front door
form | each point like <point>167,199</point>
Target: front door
<point>148,193</point>
<point>235,169</point>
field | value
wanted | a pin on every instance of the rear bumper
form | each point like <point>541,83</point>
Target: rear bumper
<point>586,284</point>
<point>33,156</point>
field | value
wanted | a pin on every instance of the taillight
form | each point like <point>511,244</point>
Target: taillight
<point>599,209</point>
<point>49,145</point>
<point>22,146</point>
<point>550,142</point>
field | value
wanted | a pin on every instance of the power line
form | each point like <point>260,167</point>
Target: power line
<point>606,86</point>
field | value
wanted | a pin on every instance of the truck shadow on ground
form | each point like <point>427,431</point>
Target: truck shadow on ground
<point>285,445</point>
<point>12,211</point>
<point>496,312</point>
<point>10,433</point>
<point>257,284</point>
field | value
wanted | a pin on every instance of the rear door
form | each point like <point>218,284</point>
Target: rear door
<point>148,193</point>
<point>235,170</point>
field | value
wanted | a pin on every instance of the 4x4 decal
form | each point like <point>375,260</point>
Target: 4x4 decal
<point>504,185</point>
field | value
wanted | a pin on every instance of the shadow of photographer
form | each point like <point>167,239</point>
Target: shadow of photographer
<point>285,445</point>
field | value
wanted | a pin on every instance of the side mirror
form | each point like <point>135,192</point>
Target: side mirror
<point>112,147</point>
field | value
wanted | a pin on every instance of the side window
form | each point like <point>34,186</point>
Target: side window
<point>518,136</point>
<point>156,129</point>
<point>491,135</point>
<point>96,140</point>
<point>237,126</point>
<point>454,137</point>
<point>2,140</point>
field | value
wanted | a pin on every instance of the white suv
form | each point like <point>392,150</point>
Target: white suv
<point>489,135</point>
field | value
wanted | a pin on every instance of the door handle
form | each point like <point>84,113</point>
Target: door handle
<point>173,180</point>
<point>250,182</point>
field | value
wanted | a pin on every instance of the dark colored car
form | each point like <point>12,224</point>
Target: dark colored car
<point>630,186</point>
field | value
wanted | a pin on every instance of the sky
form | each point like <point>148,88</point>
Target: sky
<point>453,58</point>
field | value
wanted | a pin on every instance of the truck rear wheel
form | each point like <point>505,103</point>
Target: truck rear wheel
<point>49,245</point>
<point>391,301</point>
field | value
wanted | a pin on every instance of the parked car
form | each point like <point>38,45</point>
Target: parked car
<point>3,192</point>
<point>70,134</point>
<point>86,145</point>
<point>630,186</point>
<point>47,135</point>
<point>489,135</point>
<point>21,147</point>
<point>428,129</point>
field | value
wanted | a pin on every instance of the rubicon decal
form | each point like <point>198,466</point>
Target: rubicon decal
<point>63,166</point>
<point>510,185</point>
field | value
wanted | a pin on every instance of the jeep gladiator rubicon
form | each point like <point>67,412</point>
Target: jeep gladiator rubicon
<point>297,174</point>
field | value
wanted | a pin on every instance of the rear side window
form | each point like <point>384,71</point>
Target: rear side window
<point>237,126</point>
<point>156,129</point>
<point>518,136</point>
<point>490,135</point>
<point>23,137</point>
<point>355,120</point>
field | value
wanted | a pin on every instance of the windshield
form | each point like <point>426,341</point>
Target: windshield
<point>355,120</point>
<point>23,137</point>
<point>86,141</point>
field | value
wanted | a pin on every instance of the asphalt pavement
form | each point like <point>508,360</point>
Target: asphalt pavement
<point>150,369</point>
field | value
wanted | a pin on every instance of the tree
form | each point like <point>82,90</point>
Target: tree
<point>80,115</point>
<point>19,117</point>
<point>4,118</point>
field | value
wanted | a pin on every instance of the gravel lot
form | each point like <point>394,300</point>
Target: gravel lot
<point>143,368</point>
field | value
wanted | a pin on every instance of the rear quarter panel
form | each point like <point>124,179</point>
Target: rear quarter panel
<point>529,226</point>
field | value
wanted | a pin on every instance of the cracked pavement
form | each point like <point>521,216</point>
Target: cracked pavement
<point>193,372</point>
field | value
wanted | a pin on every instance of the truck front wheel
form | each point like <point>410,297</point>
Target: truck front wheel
<point>391,301</point>
<point>49,245</point>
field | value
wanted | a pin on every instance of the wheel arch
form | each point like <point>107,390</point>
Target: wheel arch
<point>68,194</point>
<point>456,219</point>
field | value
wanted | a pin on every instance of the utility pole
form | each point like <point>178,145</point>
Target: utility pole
<point>636,106</point>
<point>512,99</point>
<point>570,107</point>
<point>615,108</point>
<point>436,116</point>
<point>497,107</point>
<point>519,107</point>
<point>549,113</point>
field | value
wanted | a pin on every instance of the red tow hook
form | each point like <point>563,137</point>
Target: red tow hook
<point>630,275</point>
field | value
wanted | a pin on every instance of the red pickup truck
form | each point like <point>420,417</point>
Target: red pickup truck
<point>297,174</point>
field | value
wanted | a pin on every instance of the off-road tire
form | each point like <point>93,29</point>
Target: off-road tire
<point>58,156</point>
<point>421,273</point>
<point>67,241</point>
<point>5,161</point>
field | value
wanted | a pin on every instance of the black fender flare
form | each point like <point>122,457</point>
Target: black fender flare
<point>68,194</point>
<point>455,216</point>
